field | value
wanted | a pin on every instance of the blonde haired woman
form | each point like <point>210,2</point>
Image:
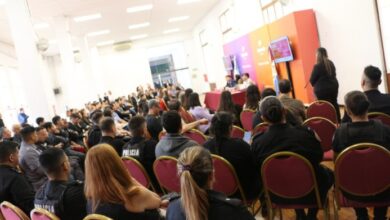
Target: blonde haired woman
<point>197,201</point>
<point>111,191</point>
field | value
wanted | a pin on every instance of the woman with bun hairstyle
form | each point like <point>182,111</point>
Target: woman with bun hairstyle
<point>198,201</point>
<point>282,136</point>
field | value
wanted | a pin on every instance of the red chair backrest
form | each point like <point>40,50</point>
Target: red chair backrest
<point>237,132</point>
<point>384,118</point>
<point>11,212</point>
<point>246,117</point>
<point>42,214</point>
<point>322,109</point>
<point>363,169</point>
<point>225,177</point>
<point>196,135</point>
<point>186,116</point>
<point>137,171</point>
<point>288,175</point>
<point>260,128</point>
<point>324,128</point>
<point>165,169</point>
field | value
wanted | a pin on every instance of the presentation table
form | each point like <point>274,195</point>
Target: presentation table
<point>211,99</point>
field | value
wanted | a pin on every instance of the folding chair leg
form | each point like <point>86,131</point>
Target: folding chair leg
<point>280,214</point>
<point>335,210</point>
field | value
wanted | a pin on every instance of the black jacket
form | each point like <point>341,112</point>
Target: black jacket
<point>221,208</point>
<point>325,84</point>
<point>116,143</point>
<point>238,153</point>
<point>94,135</point>
<point>15,189</point>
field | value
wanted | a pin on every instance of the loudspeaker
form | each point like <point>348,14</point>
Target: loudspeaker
<point>57,91</point>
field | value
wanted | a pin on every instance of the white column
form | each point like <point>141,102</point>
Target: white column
<point>67,77</point>
<point>37,89</point>
<point>91,91</point>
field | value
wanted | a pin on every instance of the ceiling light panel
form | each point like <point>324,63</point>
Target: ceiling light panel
<point>140,8</point>
<point>171,31</point>
<point>181,2</point>
<point>105,43</point>
<point>180,18</point>
<point>98,33</point>
<point>140,25</point>
<point>87,17</point>
<point>138,37</point>
<point>41,25</point>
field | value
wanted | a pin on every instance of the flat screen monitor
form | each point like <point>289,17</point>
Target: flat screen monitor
<point>280,50</point>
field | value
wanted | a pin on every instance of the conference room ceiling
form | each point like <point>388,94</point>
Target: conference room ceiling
<point>114,18</point>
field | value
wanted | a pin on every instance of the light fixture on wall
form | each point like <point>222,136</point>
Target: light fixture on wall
<point>140,25</point>
<point>139,8</point>
<point>180,18</point>
<point>87,17</point>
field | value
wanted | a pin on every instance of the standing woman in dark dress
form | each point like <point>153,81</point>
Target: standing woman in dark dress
<point>324,81</point>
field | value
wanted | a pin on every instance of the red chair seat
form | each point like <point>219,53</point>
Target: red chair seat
<point>237,132</point>
<point>246,119</point>
<point>196,135</point>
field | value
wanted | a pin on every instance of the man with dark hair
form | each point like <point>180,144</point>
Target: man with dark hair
<point>362,130</point>
<point>28,157</point>
<point>294,106</point>
<point>379,102</point>
<point>94,133</point>
<point>173,143</point>
<point>230,82</point>
<point>257,117</point>
<point>76,133</point>
<point>14,186</point>
<point>139,148</point>
<point>42,135</point>
<point>59,195</point>
<point>153,120</point>
<point>108,128</point>
<point>246,81</point>
<point>40,121</point>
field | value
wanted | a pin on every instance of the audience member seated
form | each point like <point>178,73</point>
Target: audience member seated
<point>29,158</point>
<point>1,121</point>
<point>111,191</point>
<point>16,128</point>
<point>246,81</point>
<point>236,151</point>
<point>281,136</point>
<point>14,187</point>
<point>5,134</point>
<point>94,133</point>
<point>40,121</point>
<point>230,82</point>
<point>379,102</point>
<point>173,143</point>
<point>197,200</point>
<point>76,133</point>
<point>362,130</point>
<point>140,148</point>
<point>293,106</point>
<point>153,120</point>
<point>107,125</point>
<point>42,136</point>
<point>186,98</point>
<point>257,117</point>
<point>199,112</point>
<point>175,105</point>
<point>226,104</point>
<point>60,195</point>
<point>252,98</point>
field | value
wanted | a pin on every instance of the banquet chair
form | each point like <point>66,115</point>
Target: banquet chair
<point>97,217</point>
<point>11,212</point>
<point>42,214</point>
<point>138,171</point>
<point>237,132</point>
<point>260,128</point>
<point>186,116</point>
<point>362,170</point>
<point>226,180</point>
<point>246,119</point>
<point>290,176</point>
<point>165,170</point>
<point>384,118</point>
<point>196,135</point>
<point>323,109</point>
<point>325,130</point>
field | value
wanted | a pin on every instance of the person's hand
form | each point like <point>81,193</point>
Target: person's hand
<point>203,121</point>
<point>164,204</point>
<point>60,145</point>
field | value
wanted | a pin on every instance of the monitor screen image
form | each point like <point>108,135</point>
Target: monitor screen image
<point>280,50</point>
